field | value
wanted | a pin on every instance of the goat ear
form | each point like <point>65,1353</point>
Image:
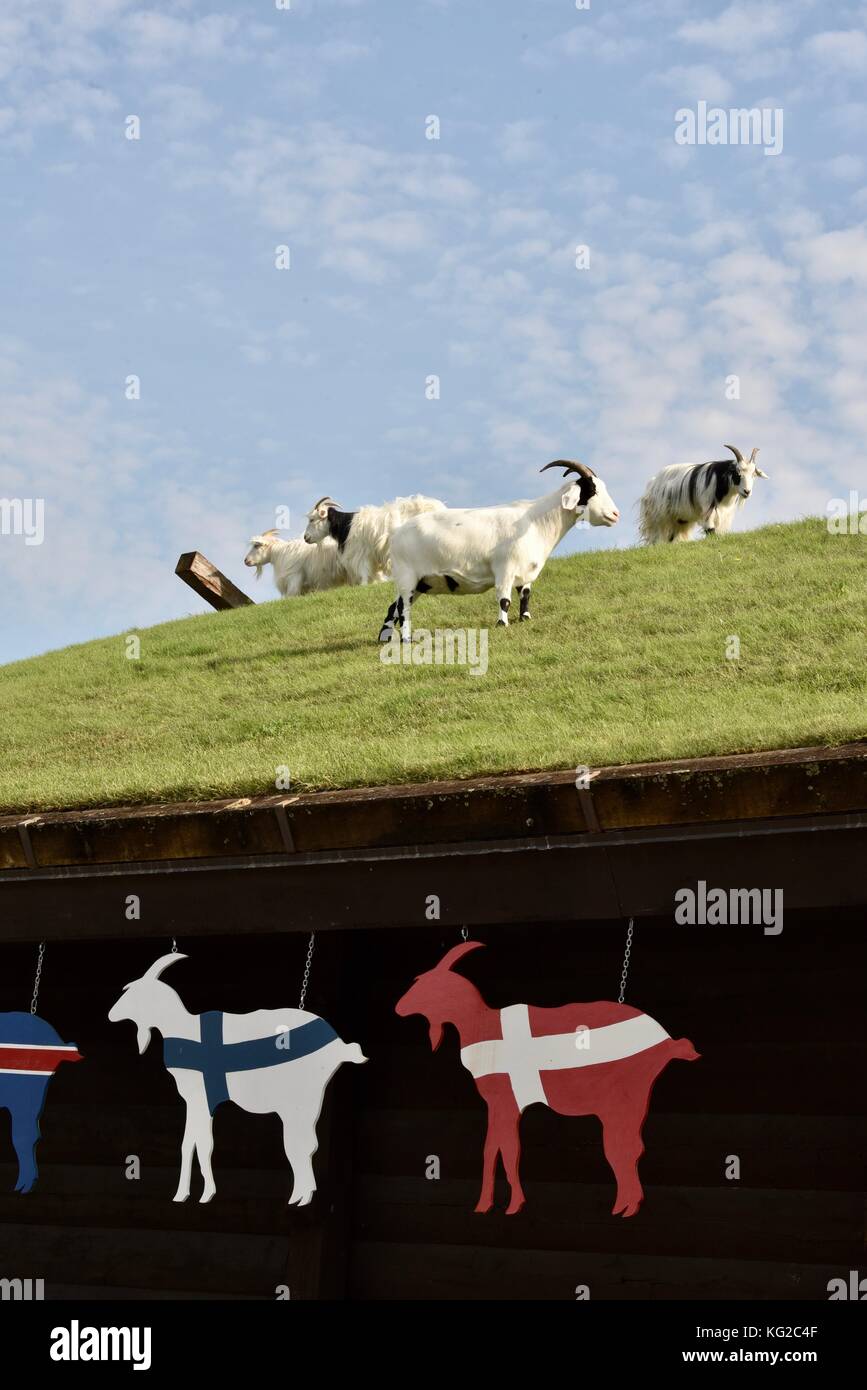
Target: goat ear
<point>760,473</point>
<point>457,953</point>
<point>571,499</point>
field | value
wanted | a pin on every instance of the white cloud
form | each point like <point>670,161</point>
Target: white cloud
<point>741,27</point>
<point>837,257</point>
<point>697,82</point>
<point>521,142</point>
<point>610,38</point>
<point>841,50</point>
<point>179,107</point>
<point>845,167</point>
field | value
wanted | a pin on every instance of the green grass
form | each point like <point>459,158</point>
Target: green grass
<point>624,661</point>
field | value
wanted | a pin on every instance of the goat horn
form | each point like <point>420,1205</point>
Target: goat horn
<point>569,467</point>
<point>454,955</point>
<point>154,971</point>
<point>272,532</point>
<point>753,455</point>
<point>737,453</point>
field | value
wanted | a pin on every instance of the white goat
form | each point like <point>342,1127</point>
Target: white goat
<point>298,568</point>
<point>269,1062</point>
<point>363,537</point>
<point>684,495</point>
<point>468,551</point>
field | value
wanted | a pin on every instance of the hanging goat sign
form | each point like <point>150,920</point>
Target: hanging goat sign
<point>30,1053</point>
<point>269,1062</point>
<point>581,1059</point>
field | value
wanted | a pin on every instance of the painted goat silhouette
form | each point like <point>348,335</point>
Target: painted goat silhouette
<point>271,1061</point>
<point>582,1059</point>
<point>30,1053</point>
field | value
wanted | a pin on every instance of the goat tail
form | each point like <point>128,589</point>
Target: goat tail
<point>683,1049</point>
<point>354,1053</point>
<point>649,528</point>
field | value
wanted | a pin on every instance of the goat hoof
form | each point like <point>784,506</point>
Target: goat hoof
<point>483,1207</point>
<point>180,1196</point>
<point>500,623</point>
<point>385,634</point>
<point>525,617</point>
<point>206,1196</point>
<point>515,1206</point>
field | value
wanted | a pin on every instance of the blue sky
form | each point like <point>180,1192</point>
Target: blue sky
<point>305,127</point>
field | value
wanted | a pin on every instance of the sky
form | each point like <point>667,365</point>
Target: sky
<point>721,297</point>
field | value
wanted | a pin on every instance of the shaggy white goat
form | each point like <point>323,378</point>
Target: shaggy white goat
<point>684,495</point>
<point>298,568</point>
<point>364,537</point>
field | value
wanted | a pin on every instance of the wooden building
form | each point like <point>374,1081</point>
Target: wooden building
<point>547,875</point>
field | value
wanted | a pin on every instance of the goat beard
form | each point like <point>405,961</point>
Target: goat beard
<point>436,1035</point>
<point>144,1037</point>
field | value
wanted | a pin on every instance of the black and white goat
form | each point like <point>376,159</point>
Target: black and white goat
<point>363,537</point>
<point>470,550</point>
<point>685,495</point>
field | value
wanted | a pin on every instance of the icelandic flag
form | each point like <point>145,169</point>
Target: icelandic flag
<point>30,1053</point>
<point>29,1047</point>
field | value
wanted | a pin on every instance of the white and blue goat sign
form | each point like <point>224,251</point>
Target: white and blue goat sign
<point>269,1062</point>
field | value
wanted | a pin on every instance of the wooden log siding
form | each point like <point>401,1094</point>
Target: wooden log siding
<point>779,1024</point>
<point>354,858</point>
<point>778,1021</point>
<point>90,1231</point>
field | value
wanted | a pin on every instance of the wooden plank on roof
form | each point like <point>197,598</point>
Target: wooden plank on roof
<point>196,570</point>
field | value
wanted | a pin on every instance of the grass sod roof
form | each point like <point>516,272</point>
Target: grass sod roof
<point>624,661</point>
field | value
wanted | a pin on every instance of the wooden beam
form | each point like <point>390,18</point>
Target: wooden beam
<point>812,782</point>
<point>585,879</point>
<point>207,581</point>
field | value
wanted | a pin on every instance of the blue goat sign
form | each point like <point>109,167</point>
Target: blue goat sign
<point>30,1053</point>
<point>269,1062</point>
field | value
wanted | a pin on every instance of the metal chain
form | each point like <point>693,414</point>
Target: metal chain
<point>174,945</point>
<point>304,983</point>
<point>38,977</point>
<point>464,933</point>
<point>626,963</point>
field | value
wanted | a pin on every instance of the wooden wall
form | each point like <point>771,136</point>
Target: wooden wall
<point>89,1231</point>
<point>779,1023</point>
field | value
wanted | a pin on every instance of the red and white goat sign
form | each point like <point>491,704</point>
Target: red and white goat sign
<point>581,1059</point>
